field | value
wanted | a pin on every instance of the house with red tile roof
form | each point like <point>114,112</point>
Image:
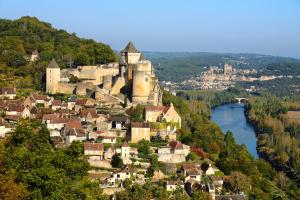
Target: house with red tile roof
<point>8,93</point>
<point>74,131</point>
<point>94,151</point>
<point>83,103</point>
<point>56,104</point>
<point>159,113</point>
<point>89,115</point>
<point>15,111</point>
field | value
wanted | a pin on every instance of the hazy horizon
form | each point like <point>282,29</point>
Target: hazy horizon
<point>251,27</point>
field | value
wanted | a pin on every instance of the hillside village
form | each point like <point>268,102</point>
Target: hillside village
<point>115,110</point>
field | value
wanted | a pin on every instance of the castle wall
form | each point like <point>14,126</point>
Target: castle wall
<point>107,82</point>
<point>93,74</point>
<point>171,158</point>
<point>119,84</point>
<point>66,88</point>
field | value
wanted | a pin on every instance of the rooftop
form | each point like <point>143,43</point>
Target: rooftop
<point>53,64</point>
<point>130,48</point>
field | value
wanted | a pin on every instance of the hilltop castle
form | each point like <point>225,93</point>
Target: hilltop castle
<point>133,77</point>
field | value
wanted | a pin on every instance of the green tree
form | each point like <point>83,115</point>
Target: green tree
<point>117,161</point>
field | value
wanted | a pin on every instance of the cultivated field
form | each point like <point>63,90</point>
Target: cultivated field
<point>294,116</point>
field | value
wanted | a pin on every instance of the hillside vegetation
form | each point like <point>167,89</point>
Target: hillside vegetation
<point>19,38</point>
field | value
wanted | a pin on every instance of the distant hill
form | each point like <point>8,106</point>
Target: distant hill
<point>20,38</point>
<point>179,66</point>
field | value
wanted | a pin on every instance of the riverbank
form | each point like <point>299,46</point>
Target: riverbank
<point>274,144</point>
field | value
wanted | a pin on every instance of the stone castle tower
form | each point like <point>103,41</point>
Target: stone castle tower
<point>52,77</point>
<point>131,56</point>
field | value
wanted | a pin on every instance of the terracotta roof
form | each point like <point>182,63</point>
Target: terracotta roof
<point>40,97</point>
<point>7,91</point>
<point>86,112</point>
<point>163,109</point>
<point>49,116</point>
<point>125,144</point>
<point>130,48</point>
<point>15,107</point>
<point>59,120</point>
<point>53,64</point>
<point>186,166</point>
<point>79,132</point>
<point>93,146</point>
<point>12,117</point>
<point>193,172</point>
<point>56,103</point>
<point>139,125</point>
<point>64,111</point>
<point>73,124</point>
<point>81,102</point>
<point>176,145</point>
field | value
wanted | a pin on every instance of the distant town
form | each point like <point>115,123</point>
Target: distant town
<point>221,79</point>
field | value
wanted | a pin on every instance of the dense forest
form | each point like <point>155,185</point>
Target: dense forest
<point>20,38</point>
<point>278,136</point>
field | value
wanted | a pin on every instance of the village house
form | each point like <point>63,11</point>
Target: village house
<point>3,128</point>
<point>125,150</point>
<point>109,153</point>
<point>8,93</point>
<point>173,185</point>
<point>139,131</point>
<point>83,103</point>
<point>119,122</point>
<point>74,132</point>
<point>34,56</point>
<point>217,182</point>
<point>179,148</point>
<point>94,151</point>
<point>160,113</point>
<point>56,123</point>
<point>89,115</point>
<point>174,153</point>
<point>15,111</point>
<point>191,171</point>
<point>121,175</point>
<point>56,105</point>
<point>71,102</point>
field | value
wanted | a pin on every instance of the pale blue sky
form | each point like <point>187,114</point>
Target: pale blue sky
<point>249,26</point>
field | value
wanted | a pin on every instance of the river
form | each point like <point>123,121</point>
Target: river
<point>231,117</point>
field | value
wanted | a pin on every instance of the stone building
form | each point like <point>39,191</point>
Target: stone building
<point>133,78</point>
<point>139,131</point>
